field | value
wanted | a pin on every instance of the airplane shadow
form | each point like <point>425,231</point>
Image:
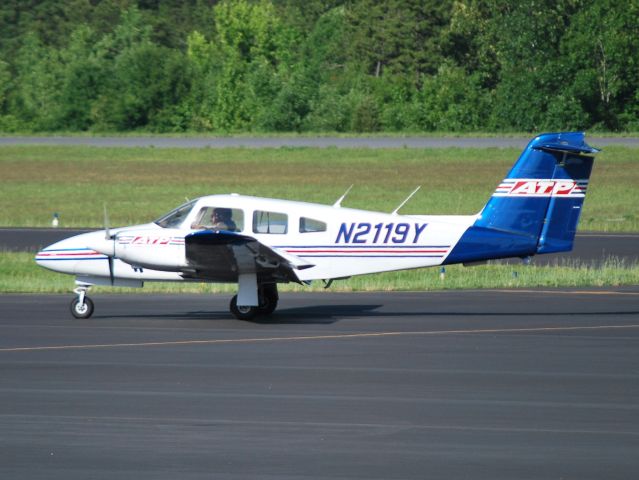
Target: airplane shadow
<point>312,315</point>
<point>329,314</point>
<point>318,314</point>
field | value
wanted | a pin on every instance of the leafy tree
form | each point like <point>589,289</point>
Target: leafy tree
<point>138,81</point>
<point>252,43</point>
<point>5,84</point>
<point>37,85</point>
<point>203,65</point>
<point>321,60</point>
<point>470,41</point>
<point>601,51</point>
<point>8,122</point>
<point>344,65</point>
<point>452,100</point>
<point>398,36</point>
<point>82,78</point>
<point>527,38</point>
<point>172,21</point>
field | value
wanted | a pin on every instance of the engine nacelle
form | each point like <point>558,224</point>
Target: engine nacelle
<point>155,249</point>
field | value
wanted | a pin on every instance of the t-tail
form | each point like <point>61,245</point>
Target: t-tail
<point>536,208</point>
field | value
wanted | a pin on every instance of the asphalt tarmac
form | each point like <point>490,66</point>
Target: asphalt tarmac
<point>590,247</point>
<point>458,384</point>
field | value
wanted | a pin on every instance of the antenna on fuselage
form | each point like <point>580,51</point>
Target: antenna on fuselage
<point>338,204</point>
<point>407,199</point>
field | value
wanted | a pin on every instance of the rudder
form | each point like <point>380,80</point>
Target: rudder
<point>536,208</point>
<point>560,225</point>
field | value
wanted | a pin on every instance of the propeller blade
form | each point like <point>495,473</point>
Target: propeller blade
<point>107,234</point>
<point>111,274</point>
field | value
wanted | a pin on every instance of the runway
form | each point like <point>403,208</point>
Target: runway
<point>589,247</point>
<point>455,384</point>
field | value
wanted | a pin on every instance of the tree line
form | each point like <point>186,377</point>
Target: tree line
<point>319,65</point>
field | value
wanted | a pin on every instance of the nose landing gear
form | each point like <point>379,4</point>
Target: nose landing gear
<point>82,306</point>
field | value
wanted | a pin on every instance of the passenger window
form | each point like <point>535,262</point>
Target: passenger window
<point>219,218</point>
<point>269,222</point>
<point>308,225</point>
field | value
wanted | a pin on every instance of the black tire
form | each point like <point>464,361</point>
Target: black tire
<point>84,311</point>
<point>242,313</point>
<point>269,298</point>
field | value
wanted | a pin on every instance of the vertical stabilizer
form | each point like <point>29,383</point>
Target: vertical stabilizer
<point>536,208</point>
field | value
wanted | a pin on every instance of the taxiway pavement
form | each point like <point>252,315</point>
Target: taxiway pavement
<point>454,384</point>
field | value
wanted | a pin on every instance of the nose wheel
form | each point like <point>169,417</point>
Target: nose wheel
<point>82,306</point>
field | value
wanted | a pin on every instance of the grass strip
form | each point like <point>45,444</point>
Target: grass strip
<point>20,274</point>
<point>140,184</point>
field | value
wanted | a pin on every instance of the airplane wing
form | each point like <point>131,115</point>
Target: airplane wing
<point>223,255</point>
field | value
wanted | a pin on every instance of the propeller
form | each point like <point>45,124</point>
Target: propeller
<point>104,245</point>
<point>108,236</point>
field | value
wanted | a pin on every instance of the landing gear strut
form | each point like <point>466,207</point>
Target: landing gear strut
<point>81,307</point>
<point>267,298</point>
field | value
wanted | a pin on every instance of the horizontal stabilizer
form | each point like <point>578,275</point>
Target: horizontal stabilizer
<point>567,148</point>
<point>556,147</point>
<point>569,142</point>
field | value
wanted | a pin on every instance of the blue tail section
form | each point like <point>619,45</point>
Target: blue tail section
<point>537,206</point>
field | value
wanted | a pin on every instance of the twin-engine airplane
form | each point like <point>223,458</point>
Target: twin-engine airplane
<point>260,242</point>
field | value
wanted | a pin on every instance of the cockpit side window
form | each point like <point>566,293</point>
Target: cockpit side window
<point>269,222</point>
<point>308,225</point>
<point>219,218</point>
<point>176,217</point>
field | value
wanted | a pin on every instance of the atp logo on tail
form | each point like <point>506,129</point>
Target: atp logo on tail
<point>530,187</point>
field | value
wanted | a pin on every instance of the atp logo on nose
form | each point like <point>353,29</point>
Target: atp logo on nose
<point>525,187</point>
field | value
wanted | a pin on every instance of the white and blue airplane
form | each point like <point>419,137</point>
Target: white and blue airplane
<point>260,242</point>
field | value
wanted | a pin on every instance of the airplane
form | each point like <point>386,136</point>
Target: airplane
<point>260,242</point>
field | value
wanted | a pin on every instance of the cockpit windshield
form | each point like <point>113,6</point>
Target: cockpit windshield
<point>176,217</point>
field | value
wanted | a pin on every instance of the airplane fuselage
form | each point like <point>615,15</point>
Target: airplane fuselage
<point>341,242</point>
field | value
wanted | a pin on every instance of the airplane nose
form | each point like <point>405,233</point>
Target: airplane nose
<point>59,257</point>
<point>64,256</point>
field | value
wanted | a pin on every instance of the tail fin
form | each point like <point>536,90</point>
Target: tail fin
<point>537,206</point>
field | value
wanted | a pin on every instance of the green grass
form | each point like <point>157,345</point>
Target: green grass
<point>19,273</point>
<point>140,184</point>
<point>593,135</point>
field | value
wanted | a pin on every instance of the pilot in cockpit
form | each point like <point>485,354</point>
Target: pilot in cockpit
<point>220,219</point>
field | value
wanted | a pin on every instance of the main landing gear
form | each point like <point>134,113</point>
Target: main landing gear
<point>82,306</point>
<point>267,297</point>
